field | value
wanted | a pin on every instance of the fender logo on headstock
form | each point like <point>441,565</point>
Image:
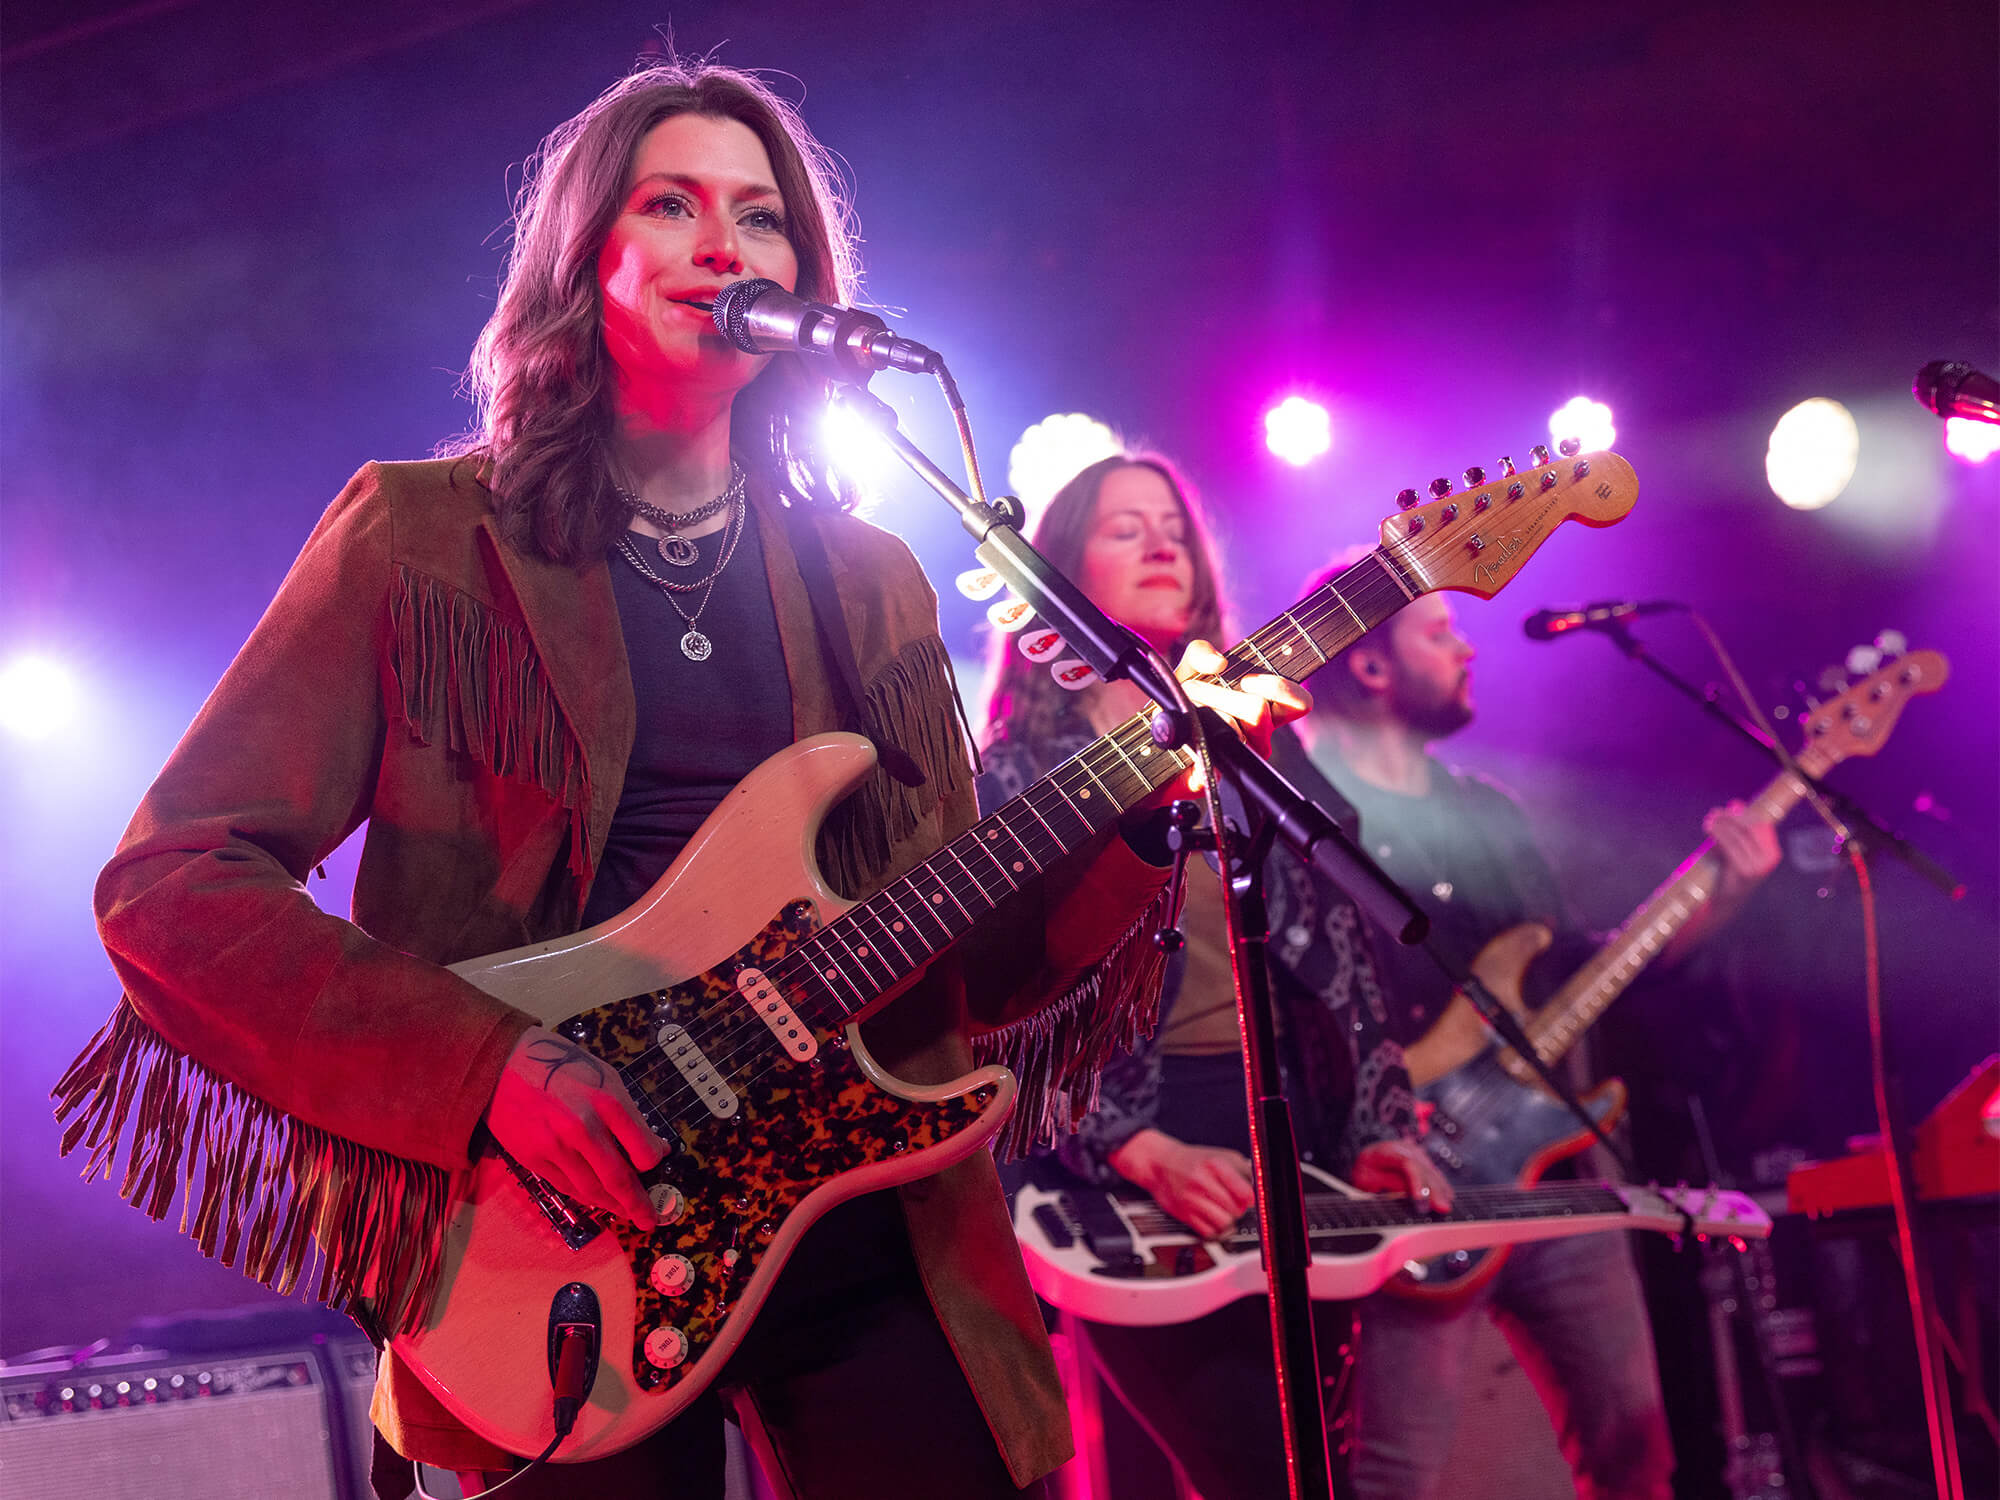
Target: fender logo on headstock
<point>1492,572</point>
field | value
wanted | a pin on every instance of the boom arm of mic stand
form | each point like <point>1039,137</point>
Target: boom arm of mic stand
<point>1314,836</point>
<point>1111,650</point>
<point>1858,818</point>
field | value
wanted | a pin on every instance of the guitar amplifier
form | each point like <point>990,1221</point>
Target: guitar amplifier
<point>219,1427</point>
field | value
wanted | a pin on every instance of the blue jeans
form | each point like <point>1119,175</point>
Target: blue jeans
<point>1574,1314</point>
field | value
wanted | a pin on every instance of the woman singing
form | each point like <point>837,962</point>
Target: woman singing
<point>1171,1118</point>
<point>533,668</point>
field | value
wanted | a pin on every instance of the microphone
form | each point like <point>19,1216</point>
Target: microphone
<point>1607,614</point>
<point>760,317</point>
<point>1952,388</point>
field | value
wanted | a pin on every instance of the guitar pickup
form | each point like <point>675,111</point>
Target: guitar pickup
<point>771,1007</point>
<point>716,1096</point>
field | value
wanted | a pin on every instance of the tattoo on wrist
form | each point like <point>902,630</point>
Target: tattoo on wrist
<point>555,1055</point>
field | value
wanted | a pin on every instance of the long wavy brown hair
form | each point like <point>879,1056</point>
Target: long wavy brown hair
<point>540,373</point>
<point>1025,703</point>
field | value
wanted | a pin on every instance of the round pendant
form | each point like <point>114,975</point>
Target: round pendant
<point>695,646</point>
<point>678,550</point>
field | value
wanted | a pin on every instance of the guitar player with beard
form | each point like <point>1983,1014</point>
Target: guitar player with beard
<point>1461,846</point>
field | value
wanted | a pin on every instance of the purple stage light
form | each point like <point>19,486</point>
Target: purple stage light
<point>1298,430</point>
<point>1588,421</point>
<point>38,697</point>
<point>1974,442</point>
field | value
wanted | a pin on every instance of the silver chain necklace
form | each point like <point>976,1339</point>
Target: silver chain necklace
<point>675,549</point>
<point>694,645</point>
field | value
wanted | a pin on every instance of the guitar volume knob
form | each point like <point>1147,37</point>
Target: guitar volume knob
<point>666,1347</point>
<point>671,1275</point>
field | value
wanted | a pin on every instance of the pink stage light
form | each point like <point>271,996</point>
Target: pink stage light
<point>1588,421</point>
<point>1975,442</point>
<point>1298,430</point>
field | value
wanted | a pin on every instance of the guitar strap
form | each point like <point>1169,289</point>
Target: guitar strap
<point>816,570</point>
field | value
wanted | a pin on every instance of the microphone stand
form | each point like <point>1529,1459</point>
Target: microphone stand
<point>1858,818</point>
<point>1114,653</point>
<point>1897,1146</point>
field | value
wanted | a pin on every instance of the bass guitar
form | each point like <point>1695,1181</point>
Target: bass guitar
<point>1116,1256</point>
<point>1491,1119</point>
<point>727,999</point>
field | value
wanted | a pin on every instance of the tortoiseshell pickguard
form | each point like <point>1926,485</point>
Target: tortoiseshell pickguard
<point>797,1125</point>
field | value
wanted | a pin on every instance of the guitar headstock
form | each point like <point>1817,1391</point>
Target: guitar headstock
<point>1476,541</point>
<point>1702,1210</point>
<point>1858,720</point>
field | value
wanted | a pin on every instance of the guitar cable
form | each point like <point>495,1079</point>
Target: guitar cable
<point>570,1384</point>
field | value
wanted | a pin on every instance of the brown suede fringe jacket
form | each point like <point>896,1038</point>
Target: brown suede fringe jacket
<point>307,1083</point>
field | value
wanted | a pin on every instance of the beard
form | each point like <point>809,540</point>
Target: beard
<point>1433,713</point>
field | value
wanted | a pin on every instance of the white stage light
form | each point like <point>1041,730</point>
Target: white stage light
<point>1813,452</point>
<point>1588,421</point>
<point>1053,452</point>
<point>38,697</point>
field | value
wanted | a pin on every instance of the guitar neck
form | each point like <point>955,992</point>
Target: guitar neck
<point>1588,993</point>
<point>852,961</point>
<point>1337,1213</point>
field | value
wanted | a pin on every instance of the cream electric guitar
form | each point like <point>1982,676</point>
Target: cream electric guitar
<point>1491,1119</point>
<point>727,999</point>
<point>1116,1256</point>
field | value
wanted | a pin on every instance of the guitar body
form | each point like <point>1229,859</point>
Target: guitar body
<point>1486,1127</point>
<point>764,1142</point>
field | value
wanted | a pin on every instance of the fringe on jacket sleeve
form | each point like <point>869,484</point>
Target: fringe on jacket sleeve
<point>1060,1052</point>
<point>255,1184</point>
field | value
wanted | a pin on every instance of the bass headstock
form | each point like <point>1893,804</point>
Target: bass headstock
<point>1477,540</point>
<point>1857,721</point>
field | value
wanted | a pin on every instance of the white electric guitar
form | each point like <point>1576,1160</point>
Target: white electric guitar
<point>1116,1256</point>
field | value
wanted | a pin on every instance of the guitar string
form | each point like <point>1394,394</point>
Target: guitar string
<point>786,971</point>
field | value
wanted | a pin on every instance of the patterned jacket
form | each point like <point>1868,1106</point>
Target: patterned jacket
<point>1344,1075</point>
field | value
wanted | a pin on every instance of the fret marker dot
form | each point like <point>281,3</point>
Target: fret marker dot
<point>1018,867</point>
<point>826,974</point>
<point>895,926</point>
<point>861,952</point>
<point>1086,794</point>
<point>937,901</point>
<point>992,833</point>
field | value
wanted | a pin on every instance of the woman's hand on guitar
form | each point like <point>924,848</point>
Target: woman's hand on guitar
<point>1402,1167</point>
<point>1255,706</point>
<point>563,1114</point>
<point>1206,1187</point>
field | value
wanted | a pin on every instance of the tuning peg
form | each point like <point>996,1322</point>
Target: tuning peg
<point>1506,467</point>
<point>1405,499</point>
<point>1474,477</point>
<point>1440,487</point>
<point>1539,453</point>
<point>1864,659</point>
<point>1892,643</point>
<point>1569,447</point>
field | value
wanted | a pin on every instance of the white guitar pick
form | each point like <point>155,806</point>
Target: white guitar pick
<point>1009,614</point>
<point>980,583</point>
<point>1040,645</point>
<point>1074,674</point>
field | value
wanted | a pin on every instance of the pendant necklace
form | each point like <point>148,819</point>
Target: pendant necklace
<point>695,646</point>
<point>677,550</point>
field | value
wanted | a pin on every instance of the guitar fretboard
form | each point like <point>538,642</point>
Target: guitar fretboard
<point>1588,993</point>
<point>843,968</point>
<point>1336,1213</point>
